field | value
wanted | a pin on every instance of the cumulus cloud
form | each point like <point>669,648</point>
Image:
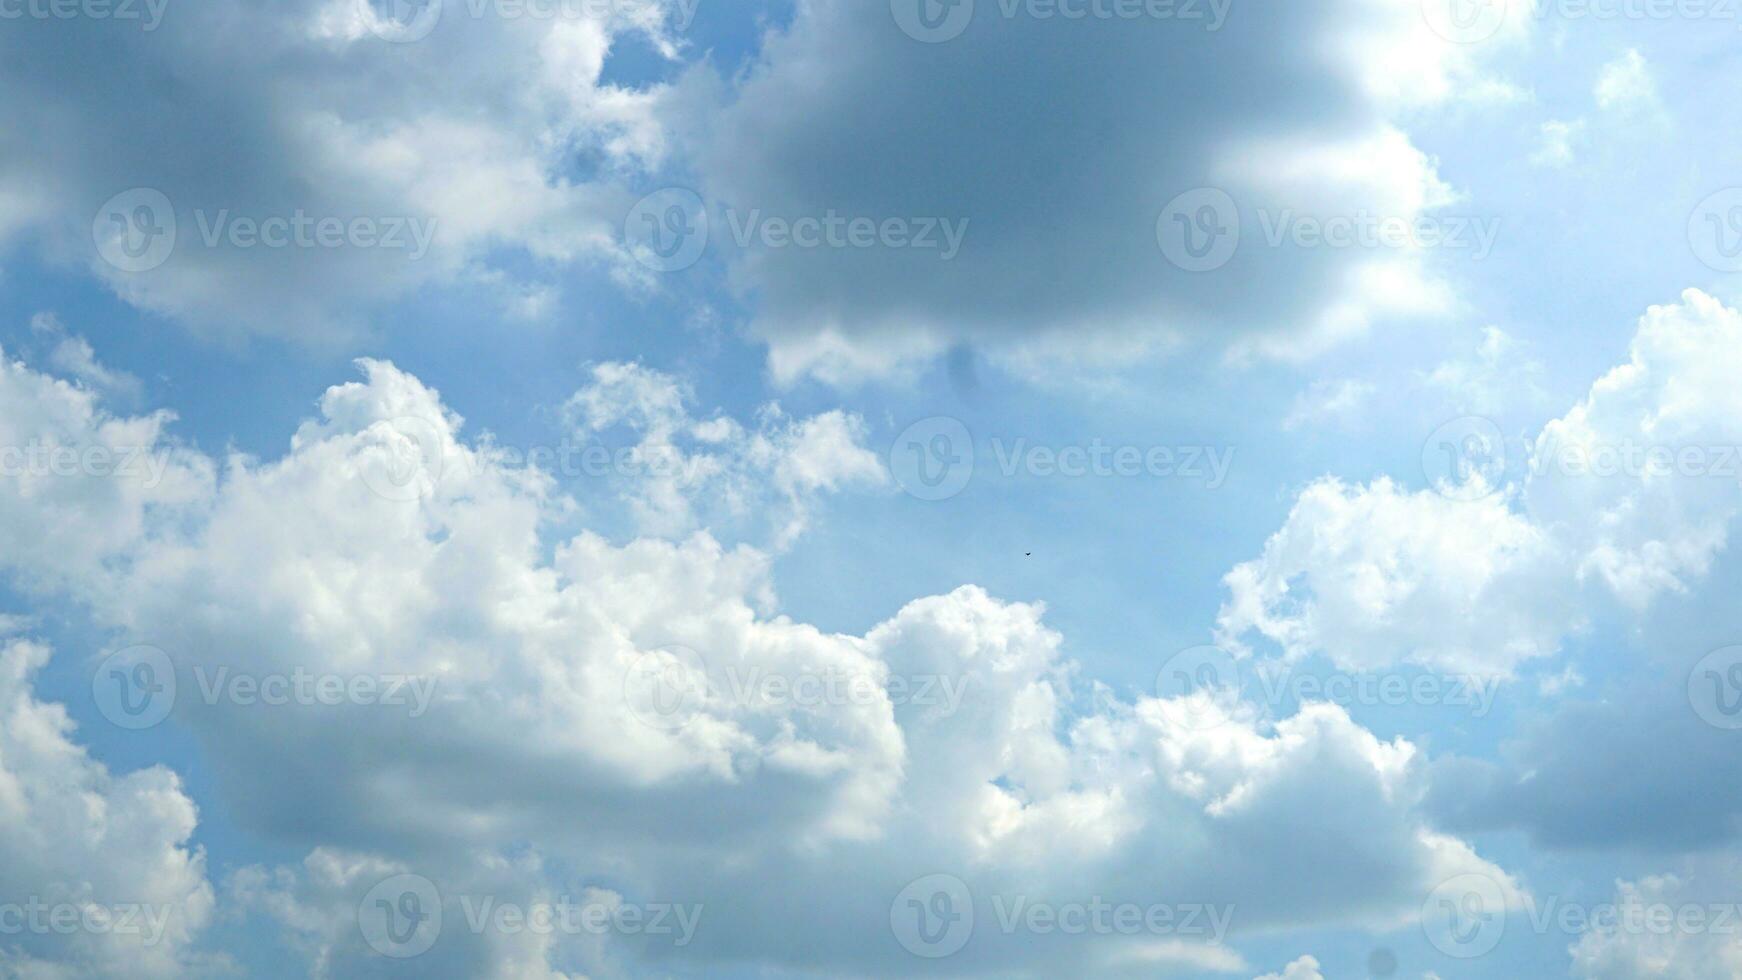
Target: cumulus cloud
<point>1643,471</point>
<point>94,482</point>
<point>1635,946</point>
<point>459,152</point>
<point>1374,575</point>
<point>684,473</point>
<point>1635,487</point>
<point>97,876</point>
<point>1059,144</point>
<point>961,741</point>
<point>1305,968</point>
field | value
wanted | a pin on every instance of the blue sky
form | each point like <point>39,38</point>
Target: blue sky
<point>849,489</point>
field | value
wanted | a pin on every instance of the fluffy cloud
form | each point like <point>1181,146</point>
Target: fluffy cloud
<point>1636,947</point>
<point>1060,142</point>
<point>1305,968</point>
<point>683,473</point>
<point>91,482</point>
<point>95,869</point>
<point>1643,472</point>
<point>959,740</point>
<point>465,140</point>
<point>1375,575</point>
<point>1636,487</point>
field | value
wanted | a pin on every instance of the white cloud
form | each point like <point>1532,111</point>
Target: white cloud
<point>1009,126</point>
<point>1021,783</point>
<point>1338,403</point>
<point>1374,575</point>
<point>112,847</point>
<point>1643,472</point>
<point>1501,375</point>
<point>1626,84</point>
<point>467,137</point>
<point>1556,149</point>
<point>684,473</point>
<point>1305,968</point>
<point>1636,949</point>
<point>1635,487</point>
